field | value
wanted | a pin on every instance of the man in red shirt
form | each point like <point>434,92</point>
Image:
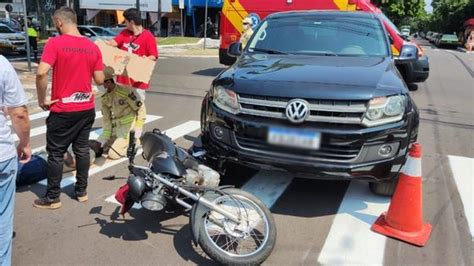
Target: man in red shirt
<point>137,40</point>
<point>75,60</point>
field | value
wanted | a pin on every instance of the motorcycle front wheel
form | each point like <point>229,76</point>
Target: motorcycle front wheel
<point>247,243</point>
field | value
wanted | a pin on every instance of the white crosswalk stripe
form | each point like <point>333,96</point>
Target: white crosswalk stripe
<point>268,186</point>
<point>350,240</point>
<point>34,117</point>
<point>463,173</point>
<point>42,129</point>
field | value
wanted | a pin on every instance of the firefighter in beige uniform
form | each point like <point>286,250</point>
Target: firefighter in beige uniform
<point>247,31</point>
<point>122,111</point>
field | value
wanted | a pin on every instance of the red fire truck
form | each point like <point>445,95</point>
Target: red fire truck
<point>233,11</point>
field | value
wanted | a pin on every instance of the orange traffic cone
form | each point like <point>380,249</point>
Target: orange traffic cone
<point>404,219</point>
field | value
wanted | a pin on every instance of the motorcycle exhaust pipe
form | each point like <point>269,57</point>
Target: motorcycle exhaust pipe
<point>199,199</point>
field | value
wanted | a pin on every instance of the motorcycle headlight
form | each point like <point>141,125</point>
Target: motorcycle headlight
<point>385,110</point>
<point>226,99</point>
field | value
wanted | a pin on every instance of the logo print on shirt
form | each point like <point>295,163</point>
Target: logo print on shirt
<point>132,47</point>
<point>78,97</point>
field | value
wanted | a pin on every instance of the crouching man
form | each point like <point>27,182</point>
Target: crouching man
<point>122,111</point>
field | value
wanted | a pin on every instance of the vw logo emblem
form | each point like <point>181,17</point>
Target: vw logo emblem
<point>297,110</point>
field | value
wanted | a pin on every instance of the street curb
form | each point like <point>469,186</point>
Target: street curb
<point>189,45</point>
<point>462,49</point>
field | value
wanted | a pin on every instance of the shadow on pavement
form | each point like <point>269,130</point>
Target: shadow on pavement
<point>138,223</point>
<point>37,189</point>
<point>135,225</point>
<point>311,198</point>
<point>187,250</point>
<point>210,72</point>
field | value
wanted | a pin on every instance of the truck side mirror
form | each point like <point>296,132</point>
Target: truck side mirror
<point>408,53</point>
<point>235,49</point>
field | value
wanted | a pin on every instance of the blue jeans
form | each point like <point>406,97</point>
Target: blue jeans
<point>8,170</point>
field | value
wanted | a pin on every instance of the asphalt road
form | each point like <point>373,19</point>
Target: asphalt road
<point>318,222</point>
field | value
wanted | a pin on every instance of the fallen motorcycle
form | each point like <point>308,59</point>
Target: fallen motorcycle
<point>230,225</point>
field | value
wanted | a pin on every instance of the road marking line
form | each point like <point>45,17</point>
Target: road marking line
<point>42,129</point>
<point>70,178</point>
<point>96,132</point>
<point>463,173</point>
<point>268,186</point>
<point>34,116</point>
<point>174,133</point>
<point>350,240</point>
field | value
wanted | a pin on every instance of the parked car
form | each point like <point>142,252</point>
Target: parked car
<point>315,93</point>
<point>434,37</point>
<point>12,23</point>
<point>96,32</point>
<point>448,40</point>
<point>437,39</point>
<point>429,35</point>
<point>405,32</point>
<point>11,41</point>
<point>117,28</point>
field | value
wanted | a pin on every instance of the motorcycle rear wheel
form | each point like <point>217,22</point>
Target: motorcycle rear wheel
<point>250,242</point>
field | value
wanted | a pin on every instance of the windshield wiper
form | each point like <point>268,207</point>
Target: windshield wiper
<point>268,51</point>
<point>319,53</point>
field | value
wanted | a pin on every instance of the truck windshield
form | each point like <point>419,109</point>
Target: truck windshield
<point>321,35</point>
<point>389,22</point>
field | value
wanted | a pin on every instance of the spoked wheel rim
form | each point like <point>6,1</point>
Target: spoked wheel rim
<point>243,240</point>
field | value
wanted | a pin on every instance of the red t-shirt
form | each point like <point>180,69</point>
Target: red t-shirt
<point>143,44</point>
<point>74,60</point>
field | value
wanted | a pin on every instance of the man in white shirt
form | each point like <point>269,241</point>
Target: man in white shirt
<point>13,102</point>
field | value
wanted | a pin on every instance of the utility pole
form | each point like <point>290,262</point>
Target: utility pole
<point>28,54</point>
<point>158,22</point>
<point>205,25</point>
<point>181,7</point>
<point>138,5</point>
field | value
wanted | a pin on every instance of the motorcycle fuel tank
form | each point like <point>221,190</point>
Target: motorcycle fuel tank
<point>166,164</point>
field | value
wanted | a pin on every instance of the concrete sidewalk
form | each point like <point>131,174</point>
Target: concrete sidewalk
<point>191,50</point>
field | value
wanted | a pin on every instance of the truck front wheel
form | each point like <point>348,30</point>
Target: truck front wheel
<point>385,188</point>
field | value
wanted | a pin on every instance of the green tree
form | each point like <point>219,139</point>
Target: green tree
<point>404,11</point>
<point>449,15</point>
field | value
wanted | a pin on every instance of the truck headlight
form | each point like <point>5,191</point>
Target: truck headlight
<point>226,99</point>
<point>384,110</point>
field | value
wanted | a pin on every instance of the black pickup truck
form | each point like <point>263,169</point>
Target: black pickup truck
<point>316,93</point>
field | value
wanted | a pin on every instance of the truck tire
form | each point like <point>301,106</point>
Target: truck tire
<point>386,188</point>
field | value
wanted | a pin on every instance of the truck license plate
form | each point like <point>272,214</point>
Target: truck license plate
<point>306,139</point>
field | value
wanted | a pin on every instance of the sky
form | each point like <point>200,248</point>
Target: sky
<point>428,7</point>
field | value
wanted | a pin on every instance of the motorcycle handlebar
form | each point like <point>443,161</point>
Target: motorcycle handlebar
<point>131,147</point>
<point>131,139</point>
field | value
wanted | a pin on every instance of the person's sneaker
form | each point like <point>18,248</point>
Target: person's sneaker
<point>82,196</point>
<point>47,203</point>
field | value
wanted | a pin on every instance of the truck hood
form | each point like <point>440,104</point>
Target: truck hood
<point>313,77</point>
